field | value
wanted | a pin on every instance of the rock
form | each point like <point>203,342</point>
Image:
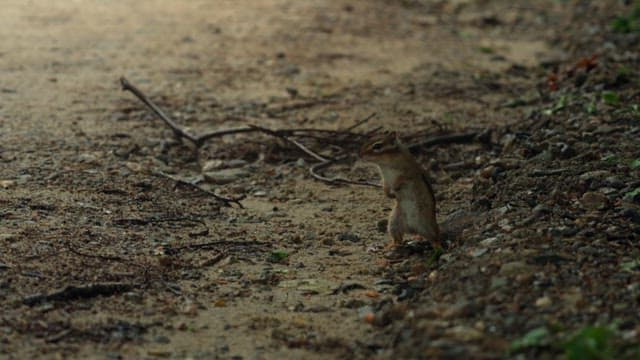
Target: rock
<point>563,150</point>
<point>317,286</point>
<point>133,166</point>
<point>629,213</point>
<point>133,297</point>
<point>23,179</point>
<point>364,310</point>
<point>507,142</point>
<point>498,282</point>
<point>478,252</point>
<point>381,225</point>
<point>464,333</point>
<point>7,237</point>
<point>505,226</point>
<point>260,193</point>
<point>515,268</point>
<point>594,175</point>
<point>462,308</point>
<point>543,302</point>
<point>346,236</point>
<point>592,200</point>
<point>5,184</point>
<point>234,163</point>
<point>211,165</point>
<point>488,172</point>
<point>614,182</point>
<point>541,209</point>
<point>489,241</point>
<point>161,339</point>
<point>225,176</point>
<point>88,158</point>
<point>447,257</point>
<point>607,190</point>
<point>564,230</point>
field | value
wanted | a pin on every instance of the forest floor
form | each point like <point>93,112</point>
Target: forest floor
<point>103,254</point>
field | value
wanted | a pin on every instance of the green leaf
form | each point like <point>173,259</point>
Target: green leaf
<point>278,256</point>
<point>635,163</point>
<point>562,102</point>
<point>611,98</point>
<point>537,337</point>
<point>514,103</point>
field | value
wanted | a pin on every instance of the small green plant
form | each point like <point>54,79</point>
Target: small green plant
<point>611,98</point>
<point>278,256</point>
<point>634,164</point>
<point>563,102</point>
<point>537,337</point>
<point>632,194</point>
<point>610,159</point>
<point>593,342</point>
<point>631,266</point>
<point>435,255</point>
<point>628,23</point>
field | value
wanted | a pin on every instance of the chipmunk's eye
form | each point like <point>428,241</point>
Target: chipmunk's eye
<point>377,146</point>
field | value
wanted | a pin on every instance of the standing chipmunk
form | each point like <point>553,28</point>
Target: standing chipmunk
<point>404,180</point>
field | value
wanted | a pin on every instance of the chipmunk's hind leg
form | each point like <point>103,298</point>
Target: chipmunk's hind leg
<point>432,235</point>
<point>395,228</point>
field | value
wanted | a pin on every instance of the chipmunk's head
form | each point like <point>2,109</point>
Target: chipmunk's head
<point>381,148</point>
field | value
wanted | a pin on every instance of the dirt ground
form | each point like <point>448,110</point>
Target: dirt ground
<point>546,262</point>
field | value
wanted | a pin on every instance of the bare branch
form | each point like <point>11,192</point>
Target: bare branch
<point>445,139</point>
<point>79,292</point>
<point>177,130</point>
<point>360,122</point>
<point>291,141</point>
<point>313,171</point>
<point>224,200</point>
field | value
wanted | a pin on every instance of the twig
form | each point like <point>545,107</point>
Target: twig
<point>215,244</point>
<point>79,292</point>
<point>360,122</point>
<point>286,134</point>
<point>291,141</point>
<point>219,133</point>
<point>138,221</point>
<point>177,130</point>
<point>313,171</point>
<point>445,139</point>
<point>297,106</point>
<point>547,172</point>
<point>59,336</point>
<point>224,200</point>
<point>103,257</point>
<point>214,260</point>
<point>198,141</point>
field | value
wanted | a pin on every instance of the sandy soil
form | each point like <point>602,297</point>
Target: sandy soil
<point>293,273</point>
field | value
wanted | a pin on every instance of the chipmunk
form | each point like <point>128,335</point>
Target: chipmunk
<point>404,180</point>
